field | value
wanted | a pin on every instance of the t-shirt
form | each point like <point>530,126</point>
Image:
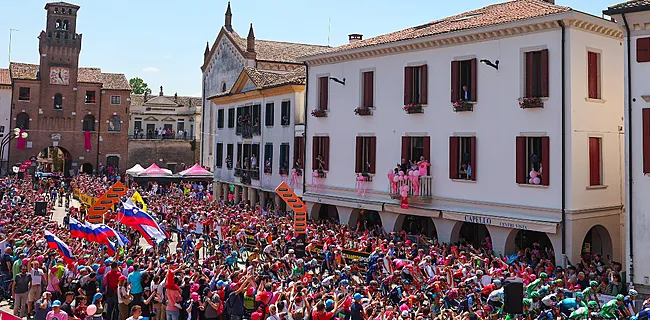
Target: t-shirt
<point>134,279</point>
<point>67,308</point>
<point>356,309</point>
<point>4,268</point>
<point>56,315</point>
<point>37,275</point>
<point>22,283</point>
<point>41,313</point>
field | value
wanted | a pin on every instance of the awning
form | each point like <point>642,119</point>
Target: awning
<point>505,222</point>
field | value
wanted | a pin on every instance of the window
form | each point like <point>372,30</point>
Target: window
<point>90,96</point>
<point>593,74</point>
<point>114,123</point>
<point>58,101</point>
<point>415,85</point>
<point>463,80</point>
<point>257,115</point>
<point>219,155</point>
<point>22,121</point>
<point>533,165</point>
<point>320,153</point>
<point>268,158</point>
<point>414,148</point>
<point>536,74</point>
<point>323,93</point>
<point>23,94</point>
<point>229,155</point>
<point>65,25</point>
<point>240,152</point>
<point>368,89</point>
<point>220,115</point>
<point>255,156</point>
<point>595,162</point>
<point>180,127</point>
<point>366,149</point>
<point>643,49</point>
<point>284,159</point>
<point>270,114</point>
<point>286,113</point>
<point>231,118</point>
<point>137,127</point>
<point>116,99</point>
<point>462,158</point>
<point>299,152</point>
<point>89,123</point>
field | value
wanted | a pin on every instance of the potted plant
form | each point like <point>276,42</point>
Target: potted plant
<point>463,105</point>
<point>413,108</point>
<point>533,102</point>
<point>319,113</point>
<point>362,111</point>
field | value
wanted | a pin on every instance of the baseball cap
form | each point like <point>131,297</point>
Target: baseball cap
<point>357,296</point>
<point>56,303</point>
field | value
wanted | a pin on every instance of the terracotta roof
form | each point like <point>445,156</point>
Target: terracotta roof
<point>491,15</point>
<point>109,81</point>
<point>628,6</point>
<point>5,78</point>
<point>278,51</point>
<point>138,100</point>
<point>267,79</point>
<point>62,4</point>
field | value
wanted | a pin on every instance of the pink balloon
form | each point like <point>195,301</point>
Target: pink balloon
<point>530,180</point>
<point>404,188</point>
<point>532,174</point>
<point>401,173</point>
<point>416,173</point>
<point>404,194</point>
<point>91,309</point>
<point>411,173</point>
<point>390,171</point>
<point>537,180</point>
<point>396,179</point>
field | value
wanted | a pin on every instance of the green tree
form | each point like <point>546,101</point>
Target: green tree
<point>138,86</point>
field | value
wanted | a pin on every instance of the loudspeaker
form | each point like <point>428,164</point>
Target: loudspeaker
<point>21,175</point>
<point>41,208</point>
<point>513,295</point>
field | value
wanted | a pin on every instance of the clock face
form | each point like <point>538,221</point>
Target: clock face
<point>60,76</point>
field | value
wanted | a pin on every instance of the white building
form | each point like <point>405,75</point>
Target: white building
<point>178,114</point>
<point>5,114</point>
<point>633,17</point>
<point>247,77</point>
<point>572,137</point>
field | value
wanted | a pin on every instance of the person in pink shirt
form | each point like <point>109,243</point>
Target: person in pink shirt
<point>56,313</point>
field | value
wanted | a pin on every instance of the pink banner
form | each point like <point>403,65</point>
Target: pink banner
<point>20,141</point>
<point>7,316</point>
<point>87,140</point>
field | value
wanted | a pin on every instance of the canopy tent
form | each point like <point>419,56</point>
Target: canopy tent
<point>196,171</point>
<point>154,171</point>
<point>135,170</point>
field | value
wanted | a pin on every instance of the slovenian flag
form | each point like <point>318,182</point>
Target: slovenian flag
<point>136,218</point>
<point>54,242</point>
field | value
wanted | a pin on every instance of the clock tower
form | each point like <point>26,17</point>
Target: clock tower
<point>60,46</point>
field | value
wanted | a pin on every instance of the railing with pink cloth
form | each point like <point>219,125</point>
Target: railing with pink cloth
<point>419,186</point>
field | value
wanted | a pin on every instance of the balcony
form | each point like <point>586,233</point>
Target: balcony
<point>155,136</point>
<point>319,113</point>
<point>413,108</point>
<point>254,174</point>
<point>424,186</point>
<point>244,130</point>
<point>245,177</point>
<point>239,172</point>
<point>531,103</point>
<point>462,105</point>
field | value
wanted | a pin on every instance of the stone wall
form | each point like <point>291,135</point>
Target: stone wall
<point>146,152</point>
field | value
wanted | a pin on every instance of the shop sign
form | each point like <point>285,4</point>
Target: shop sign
<point>546,227</point>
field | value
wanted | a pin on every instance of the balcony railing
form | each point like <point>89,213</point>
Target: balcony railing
<point>238,172</point>
<point>155,136</point>
<point>244,130</point>
<point>254,174</point>
<point>424,187</point>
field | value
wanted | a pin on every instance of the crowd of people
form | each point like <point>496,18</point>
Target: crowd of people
<point>237,261</point>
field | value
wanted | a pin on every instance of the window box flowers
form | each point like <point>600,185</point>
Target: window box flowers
<point>413,108</point>
<point>527,103</point>
<point>319,113</point>
<point>363,111</point>
<point>463,105</point>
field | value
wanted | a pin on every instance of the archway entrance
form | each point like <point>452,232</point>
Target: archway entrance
<point>55,160</point>
<point>475,234</point>
<point>538,242</point>
<point>597,241</point>
<point>419,225</point>
<point>328,212</point>
<point>368,220</point>
<point>87,168</point>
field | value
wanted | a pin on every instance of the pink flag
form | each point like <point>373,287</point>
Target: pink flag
<point>20,141</point>
<point>87,140</point>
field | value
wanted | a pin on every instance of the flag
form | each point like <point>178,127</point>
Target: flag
<point>54,242</point>
<point>134,217</point>
<point>77,229</point>
<point>122,241</point>
<point>137,198</point>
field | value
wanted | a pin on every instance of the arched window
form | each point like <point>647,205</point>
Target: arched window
<point>89,123</point>
<point>58,24</point>
<point>22,121</point>
<point>69,11</point>
<point>65,24</point>
<point>58,101</point>
<point>223,87</point>
<point>114,123</point>
<point>56,10</point>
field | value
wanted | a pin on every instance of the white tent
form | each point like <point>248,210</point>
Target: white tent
<point>135,170</point>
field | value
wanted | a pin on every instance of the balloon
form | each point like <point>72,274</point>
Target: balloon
<point>401,178</point>
<point>530,180</point>
<point>390,171</point>
<point>536,180</point>
<point>91,309</point>
<point>416,173</point>
<point>404,188</point>
<point>533,174</point>
<point>401,173</point>
<point>315,174</point>
<point>404,194</point>
<point>411,173</point>
<point>396,179</point>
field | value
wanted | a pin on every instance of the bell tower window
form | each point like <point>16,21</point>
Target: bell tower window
<point>65,24</point>
<point>58,24</point>
<point>58,101</point>
<point>56,10</point>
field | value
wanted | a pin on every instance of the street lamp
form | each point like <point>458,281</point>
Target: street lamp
<point>5,141</point>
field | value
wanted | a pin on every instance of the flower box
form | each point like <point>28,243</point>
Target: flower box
<point>527,103</point>
<point>363,111</point>
<point>463,105</point>
<point>413,108</point>
<point>318,113</point>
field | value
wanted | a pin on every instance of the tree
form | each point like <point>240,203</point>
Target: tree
<point>138,86</point>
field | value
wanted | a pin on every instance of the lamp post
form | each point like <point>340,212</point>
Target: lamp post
<point>5,141</point>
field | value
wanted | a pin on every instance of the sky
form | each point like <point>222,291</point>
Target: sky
<point>162,41</point>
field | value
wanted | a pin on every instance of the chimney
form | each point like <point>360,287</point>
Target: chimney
<point>207,50</point>
<point>161,91</point>
<point>176,97</point>
<point>145,96</point>
<point>549,1</point>
<point>250,40</point>
<point>354,37</point>
<point>228,23</point>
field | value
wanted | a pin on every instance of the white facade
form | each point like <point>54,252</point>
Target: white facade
<point>149,114</point>
<point>494,199</point>
<point>5,119</point>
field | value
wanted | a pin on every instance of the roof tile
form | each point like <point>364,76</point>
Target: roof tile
<point>278,51</point>
<point>5,78</point>
<point>628,6</point>
<point>109,81</point>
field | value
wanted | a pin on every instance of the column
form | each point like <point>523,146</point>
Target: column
<point>244,194</point>
<point>217,190</point>
<point>445,228</point>
<point>278,201</point>
<point>263,199</point>
<point>237,194</point>
<point>499,237</point>
<point>388,220</point>
<point>344,214</point>
<point>253,196</point>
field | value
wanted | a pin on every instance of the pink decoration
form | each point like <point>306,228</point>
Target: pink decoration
<point>315,181</point>
<point>20,141</point>
<point>416,173</point>
<point>404,194</point>
<point>395,178</point>
<point>361,184</point>
<point>87,140</point>
<point>537,180</point>
<point>530,180</point>
<point>532,174</point>
<point>293,180</point>
<point>393,182</point>
<point>401,173</point>
<point>91,309</point>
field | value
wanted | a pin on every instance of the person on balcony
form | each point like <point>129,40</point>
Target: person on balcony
<point>320,164</point>
<point>423,166</point>
<point>404,165</point>
<point>254,162</point>
<point>465,95</point>
<point>267,166</point>
<point>228,162</point>
<point>298,167</point>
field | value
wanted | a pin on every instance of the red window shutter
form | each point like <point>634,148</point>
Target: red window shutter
<point>326,151</point>
<point>520,174</point>
<point>546,166</point>
<point>453,157</point>
<point>373,154</point>
<point>358,167</point>
<point>324,92</point>
<point>473,157</point>
<point>592,74</point>
<point>474,80</point>
<point>455,81</point>
<point>427,150</point>
<point>545,73</point>
<point>594,161</point>
<point>646,140</point>
<point>643,49</point>
<point>368,89</point>
<point>528,74</point>
<point>299,150</point>
<point>424,85</point>
<point>314,152</point>
<point>408,85</point>
<point>406,148</point>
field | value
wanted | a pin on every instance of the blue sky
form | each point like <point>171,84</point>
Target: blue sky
<point>162,41</point>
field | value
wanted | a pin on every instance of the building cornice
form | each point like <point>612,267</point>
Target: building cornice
<point>573,20</point>
<point>257,94</point>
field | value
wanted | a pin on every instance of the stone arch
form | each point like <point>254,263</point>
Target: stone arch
<point>473,233</point>
<point>22,121</point>
<point>521,239</point>
<point>86,168</point>
<point>89,123</point>
<point>417,225</point>
<point>597,241</point>
<point>327,212</point>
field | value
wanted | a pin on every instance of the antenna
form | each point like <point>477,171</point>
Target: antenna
<point>329,30</point>
<point>10,32</point>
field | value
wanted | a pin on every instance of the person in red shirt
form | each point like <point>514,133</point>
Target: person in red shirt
<point>112,278</point>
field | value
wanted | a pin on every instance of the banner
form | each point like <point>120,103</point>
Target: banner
<point>299,216</point>
<point>87,200</point>
<point>8,316</point>
<point>137,198</point>
<point>360,256</point>
<point>106,202</point>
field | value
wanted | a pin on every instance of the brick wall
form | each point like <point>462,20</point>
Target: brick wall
<point>146,152</point>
